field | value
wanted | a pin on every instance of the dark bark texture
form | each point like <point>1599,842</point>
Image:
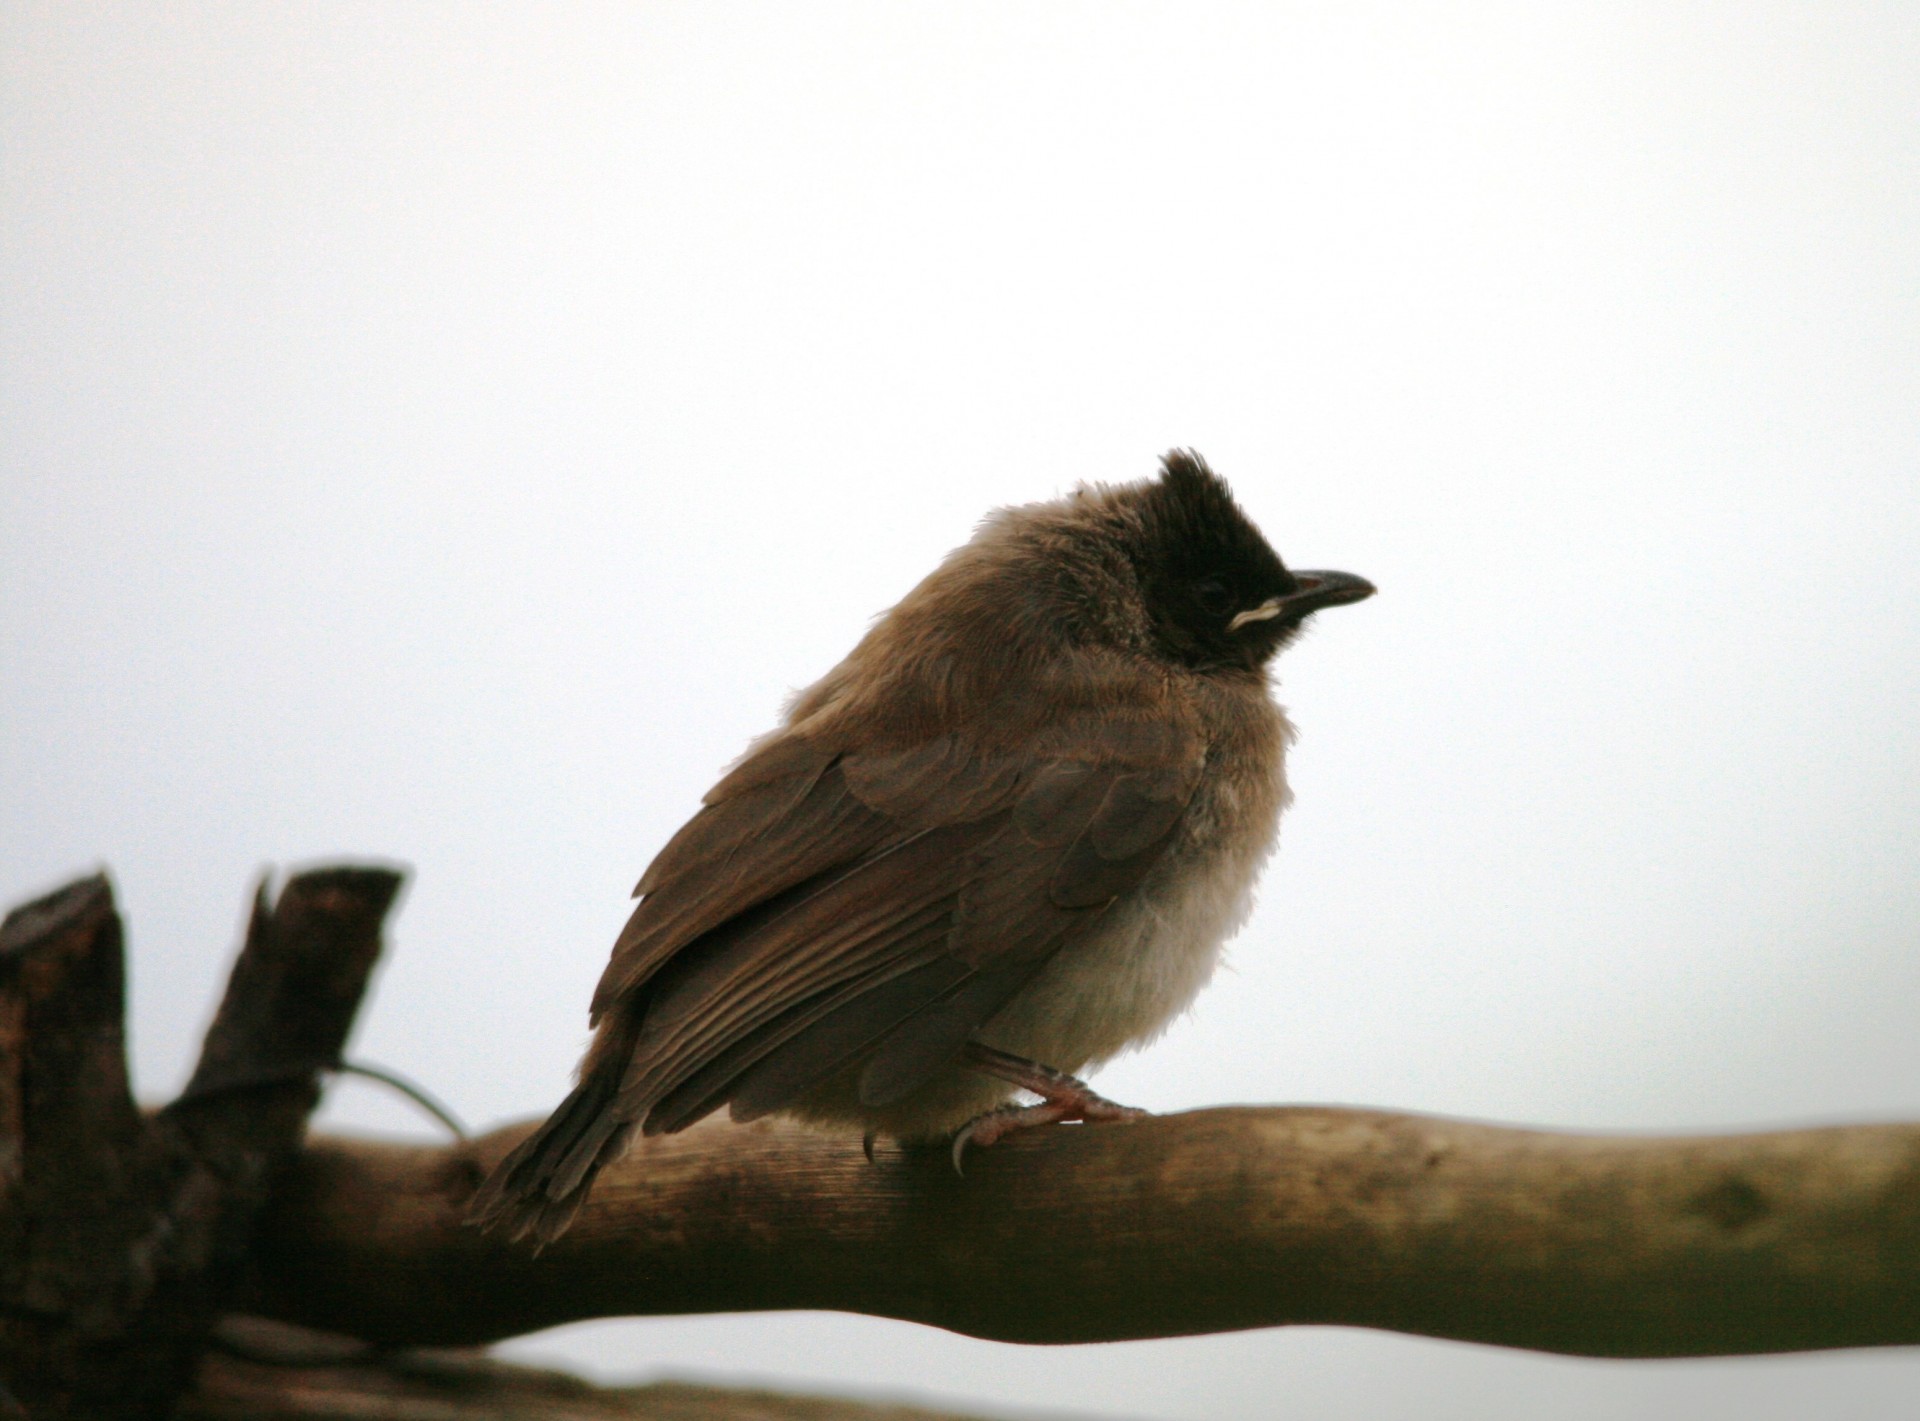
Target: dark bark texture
<point>123,1235</point>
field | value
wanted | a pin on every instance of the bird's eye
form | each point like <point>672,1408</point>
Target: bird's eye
<point>1212,596</point>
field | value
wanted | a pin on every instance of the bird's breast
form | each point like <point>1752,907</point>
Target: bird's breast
<point>1120,983</point>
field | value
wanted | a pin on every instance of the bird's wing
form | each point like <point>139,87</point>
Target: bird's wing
<point>783,816</point>
<point>881,905</point>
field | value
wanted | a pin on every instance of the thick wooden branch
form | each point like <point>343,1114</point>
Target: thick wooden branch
<point>1205,1222</point>
<point>123,1236</point>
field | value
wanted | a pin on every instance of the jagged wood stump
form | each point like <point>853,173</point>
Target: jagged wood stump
<point>124,1235</point>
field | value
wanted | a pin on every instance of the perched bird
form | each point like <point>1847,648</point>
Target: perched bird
<point>1002,840</point>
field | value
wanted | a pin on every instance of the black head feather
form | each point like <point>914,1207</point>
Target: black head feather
<point>1199,561</point>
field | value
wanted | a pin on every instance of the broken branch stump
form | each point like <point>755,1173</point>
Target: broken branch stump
<point>123,1235</point>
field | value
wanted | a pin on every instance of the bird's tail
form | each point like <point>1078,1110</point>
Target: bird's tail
<point>539,1188</point>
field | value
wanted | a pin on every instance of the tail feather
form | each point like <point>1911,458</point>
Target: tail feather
<point>540,1186</point>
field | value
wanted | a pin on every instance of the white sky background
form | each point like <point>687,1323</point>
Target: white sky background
<point>447,434</point>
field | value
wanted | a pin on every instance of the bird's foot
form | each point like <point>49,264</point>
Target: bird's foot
<point>1062,1098</point>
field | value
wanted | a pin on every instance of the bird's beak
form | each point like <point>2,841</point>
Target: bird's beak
<point>1316,590</point>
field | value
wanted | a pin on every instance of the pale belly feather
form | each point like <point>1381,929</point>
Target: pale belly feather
<point>1122,984</point>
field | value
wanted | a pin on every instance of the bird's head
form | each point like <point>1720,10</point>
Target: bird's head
<point>1216,593</point>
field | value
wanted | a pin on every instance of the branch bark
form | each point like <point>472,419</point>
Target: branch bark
<point>260,1371</point>
<point>122,1236</point>
<point>1205,1222</point>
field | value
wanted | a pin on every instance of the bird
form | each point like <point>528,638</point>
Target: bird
<point>1002,841</point>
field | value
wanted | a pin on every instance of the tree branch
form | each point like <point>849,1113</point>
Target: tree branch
<point>259,1371</point>
<point>122,1236</point>
<point>1205,1222</point>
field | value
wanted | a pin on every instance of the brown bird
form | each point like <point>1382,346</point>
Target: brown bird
<point>1002,840</point>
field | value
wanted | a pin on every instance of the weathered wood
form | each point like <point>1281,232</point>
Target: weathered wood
<point>83,1218</point>
<point>289,1005</point>
<point>1204,1222</point>
<point>259,1372</point>
<point>123,1236</point>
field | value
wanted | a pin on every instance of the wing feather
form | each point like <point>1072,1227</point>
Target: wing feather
<point>860,920</point>
<point>768,1069</point>
<point>919,1047</point>
<point>875,907</point>
<point>734,855</point>
<point>856,1022</point>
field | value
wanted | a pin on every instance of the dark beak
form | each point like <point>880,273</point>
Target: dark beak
<point>1315,590</point>
<point>1325,589</point>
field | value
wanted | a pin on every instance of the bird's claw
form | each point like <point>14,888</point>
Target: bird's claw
<point>1003,1120</point>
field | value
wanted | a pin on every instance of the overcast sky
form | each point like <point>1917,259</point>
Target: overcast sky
<point>446,433</point>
